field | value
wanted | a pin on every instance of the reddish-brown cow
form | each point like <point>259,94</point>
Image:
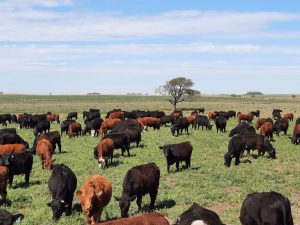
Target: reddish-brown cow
<point>94,195</point>
<point>11,148</point>
<point>74,129</point>
<point>104,151</point>
<point>267,130</point>
<point>260,122</point>
<point>3,182</point>
<point>289,116</point>
<point>44,149</point>
<point>245,116</point>
<point>108,125</point>
<point>53,117</point>
<point>296,134</point>
<point>116,115</point>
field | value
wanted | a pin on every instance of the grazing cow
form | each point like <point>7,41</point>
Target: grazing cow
<point>243,128</point>
<point>3,183</point>
<point>154,218</point>
<point>190,119</point>
<point>44,149</point>
<point>221,124</point>
<point>94,195</point>
<point>179,125</point>
<point>64,126</point>
<point>8,130</point>
<point>156,114</point>
<point>239,143</point>
<point>289,116</point>
<point>231,113</point>
<point>18,163</point>
<point>11,148</point>
<point>256,113</point>
<point>53,117</point>
<point>5,118</point>
<point>121,140</point>
<point>62,185</point>
<point>6,218</point>
<point>108,125</point>
<point>72,115</point>
<point>103,151</point>
<point>270,208</point>
<point>54,137</point>
<point>116,115</point>
<point>93,125</point>
<point>281,125</point>
<point>14,118</point>
<point>224,114</point>
<point>267,130</point>
<point>203,122</point>
<point>212,115</point>
<point>245,117</point>
<point>198,215</point>
<point>166,119</point>
<point>114,110</point>
<point>296,135</point>
<point>41,127</point>
<point>133,129</point>
<point>176,153</point>
<point>91,116</point>
<point>149,122</point>
<point>8,138</point>
<point>74,130</point>
<point>260,122</point>
<point>139,180</point>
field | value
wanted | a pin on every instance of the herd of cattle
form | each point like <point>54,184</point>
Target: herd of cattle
<point>118,130</point>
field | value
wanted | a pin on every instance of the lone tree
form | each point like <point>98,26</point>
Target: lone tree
<point>178,89</point>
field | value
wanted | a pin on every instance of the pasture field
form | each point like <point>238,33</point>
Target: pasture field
<point>208,182</point>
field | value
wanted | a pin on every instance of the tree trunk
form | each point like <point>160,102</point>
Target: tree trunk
<point>174,105</point>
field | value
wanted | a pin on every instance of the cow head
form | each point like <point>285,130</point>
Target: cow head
<point>57,207</point>
<point>6,218</point>
<point>167,150</point>
<point>173,129</point>
<point>124,204</point>
<point>271,150</point>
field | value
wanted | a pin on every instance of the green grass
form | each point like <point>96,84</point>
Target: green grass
<point>208,182</point>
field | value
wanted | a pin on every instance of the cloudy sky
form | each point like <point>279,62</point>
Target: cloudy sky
<point>121,46</point>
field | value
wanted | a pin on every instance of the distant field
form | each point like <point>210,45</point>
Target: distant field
<point>208,182</point>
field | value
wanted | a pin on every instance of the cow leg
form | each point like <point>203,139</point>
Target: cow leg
<point>188,163</point>
<point>27,175</point>
<point>168,168</point>
<point>122,150</point>
<point>3,195</point>
<point>139,202</point>
<point>153,198</point>
<point>96,217</point>
<point>237,160</point>
<point>177,165</point>
<point>10,179</point>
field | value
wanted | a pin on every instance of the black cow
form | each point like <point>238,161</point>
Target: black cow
<point>54,137</point>
<point>179,125</point>
<point>221,124</point>
<point>298,121</point>
<point>62,184</point>
<point>8,138</point>
<point>239,143</point>
<point>156,114</point>
<point>242,128</point>
<point>5,118</point>
<point>64,126</point>
<point>35,119</point>
<point>231,113</point>
<point>256,113</point>
<point>6,218</point>
<point>14,118</point>
<point>281,125</point>
<point>197,214</point>
<point>17,163</point>
<point>94,124</point>
<point>223,114</point>
<point>166,119</point>
<point>84,114</point>
<point>94,110</point>
<point>121,140</point>
<point>41,127</point>
<point>72,115</point>
<point>92,115</point>
<point>132,129</point>
<point>203,122</point>
<point>8,130</point>
<point>269,208</point>
<point>138,181</point>
<point>176,153</point>
<point>276,114</point>
<point>201,110</point>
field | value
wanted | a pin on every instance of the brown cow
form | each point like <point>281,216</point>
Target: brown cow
<point>212,115</point>
<point>245,116</point>
<point>94,195</point>
<point>289,116</point>
<point>11,148</point>
<point>3,182</point>
<point>116,115</point>
<point>175,115</point>
<point>103,151</point>
<point>267,130</point>
<point>146,122</point>
<point>191,119</point>
<point>53,117</point>
<point>154,218</point>
<point>44,149</point>
<point>74,129</point>
<point>296,134</point>
<point>260,122</point>
<point>108,125</point>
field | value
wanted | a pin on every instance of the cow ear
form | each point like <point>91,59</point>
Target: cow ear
<point>117,198</point>
<point>49,204</point>
<point>78,193</point>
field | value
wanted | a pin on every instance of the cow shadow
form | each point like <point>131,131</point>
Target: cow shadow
<point>165,204</point>
<point>77,208</point>
<point>62,152</point>
<point>114,163</point>
<point>247,161</point>
<point>5,202</point>
<point>24,185</point>
<point>195,168</point>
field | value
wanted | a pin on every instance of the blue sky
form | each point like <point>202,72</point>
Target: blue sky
<point>122,46</point>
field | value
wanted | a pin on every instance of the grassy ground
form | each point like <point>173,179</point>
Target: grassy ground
<point>208,182</point>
